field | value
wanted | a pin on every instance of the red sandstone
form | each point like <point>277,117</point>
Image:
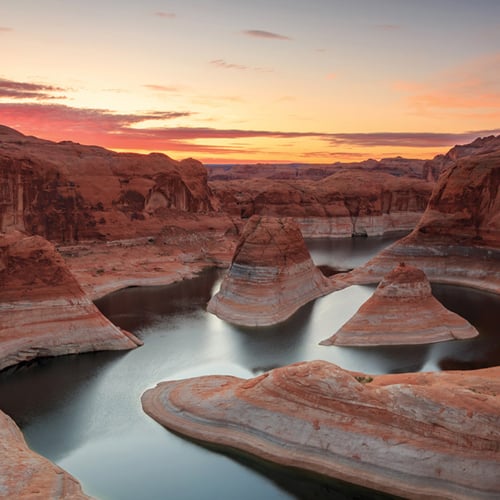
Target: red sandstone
<point>421,436</point>
<point>402,311</point>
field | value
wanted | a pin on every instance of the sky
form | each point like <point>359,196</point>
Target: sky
<point>247,81</point>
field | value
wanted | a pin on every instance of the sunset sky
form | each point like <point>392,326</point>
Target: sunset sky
<point>253,80</point>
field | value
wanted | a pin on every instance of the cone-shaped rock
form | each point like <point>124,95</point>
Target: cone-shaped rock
<point>271,275</point>
<point>402,311</point>
<point>416,435</point>
<point>43,309</point>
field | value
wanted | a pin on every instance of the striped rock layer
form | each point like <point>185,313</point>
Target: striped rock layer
<point>271,275</point>
<point>421,436</point>
<point>402,310</point>
<point>26,475</point>
<point>43,310</point>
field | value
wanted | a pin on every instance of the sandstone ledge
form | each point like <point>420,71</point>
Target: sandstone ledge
<point>26,475</point>
<point>423,435</point>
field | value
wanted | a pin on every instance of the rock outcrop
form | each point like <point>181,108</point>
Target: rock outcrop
<point>271,275</point>
<point>67,192</point>
<point>458,238</point>
<point>43,310</point>
<point>26,475</point>
<point>402,310</point>
<point>418,436</point>
<point>356,200</point>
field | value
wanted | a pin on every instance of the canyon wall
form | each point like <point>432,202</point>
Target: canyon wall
<point>67,192</point>
<point>363,201</point>
<point>458,237</point>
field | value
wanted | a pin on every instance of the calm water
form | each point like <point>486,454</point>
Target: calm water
<point>84,412</point>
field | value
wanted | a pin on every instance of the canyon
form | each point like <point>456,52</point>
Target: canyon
<point>77,222</point>
<point>402,310</point>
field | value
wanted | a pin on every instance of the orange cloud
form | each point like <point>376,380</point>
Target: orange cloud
<point>166,15</point>
<point>5,29</point>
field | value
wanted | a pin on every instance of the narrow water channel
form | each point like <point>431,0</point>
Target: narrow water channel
<point>83,411</point>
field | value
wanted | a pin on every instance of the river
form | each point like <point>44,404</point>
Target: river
<point>83,411</point>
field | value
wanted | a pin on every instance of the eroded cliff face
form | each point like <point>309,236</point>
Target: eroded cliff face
<point>271,275</point>
<point>67,192</point>
<point>357,201</point>
<point>43,310</point>
<point>458,237</point>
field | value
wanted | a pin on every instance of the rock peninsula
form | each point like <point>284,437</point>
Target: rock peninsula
<point>43,309</point>
<point>26,475</point>
<point>271,275</point>
<point>419,436</point>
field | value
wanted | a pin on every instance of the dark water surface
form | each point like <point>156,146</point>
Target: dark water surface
<point>84,412</point>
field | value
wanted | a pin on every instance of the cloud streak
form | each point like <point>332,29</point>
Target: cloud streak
<point>161,88</point>
<point>5,29</point>
<point>222,64</point>
<point>23,90</point>
<point>166,15</point>
<point>265,34</point>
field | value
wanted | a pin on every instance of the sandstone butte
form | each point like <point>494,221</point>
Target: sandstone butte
<point>43,309</point>
<point>421,435</point>
<point>402,310</point>
<point>458,238</point>
<point>271,275</point>
<point>26,475</point>
<point>339,200</point>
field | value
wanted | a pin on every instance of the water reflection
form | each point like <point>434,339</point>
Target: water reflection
<point>84,411</point>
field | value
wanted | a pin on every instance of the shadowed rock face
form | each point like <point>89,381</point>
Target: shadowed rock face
<point>43,310</point>
<point>25,474</point>
<point>270,277</point>
<point>67,192</point>
<point>458,238</point>
<point>402,311</point>
<point>411,435</point>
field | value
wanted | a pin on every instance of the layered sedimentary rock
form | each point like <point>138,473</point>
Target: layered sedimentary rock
<point>270,277</point>
<point>43,310</point>
<point>402,310</point>
<point>421,436</point>
<point>355,201</point>
<point>26,475</point>
<point>67,192</point>
<point>458,238</point>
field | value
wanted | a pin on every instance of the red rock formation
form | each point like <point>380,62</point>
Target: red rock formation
<point>43,310</point>
<point>67,192</point>
<point>458,238</point>
<point>420,436</point>
<point>359,201</point>
<point>26,475</point>
<point>270,277</point>
<point>402,311</point>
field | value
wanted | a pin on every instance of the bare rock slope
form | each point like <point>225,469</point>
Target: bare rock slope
<point>43,310</point>
<point>411,435</point>
<point>271,275</point>
<point>402,311</point>
<point>26,475</point>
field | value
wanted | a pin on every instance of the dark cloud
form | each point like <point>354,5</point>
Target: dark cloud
<point>408,139</point>
<point>265,34</point>
<point>24,90</point>
<point>166,15</point>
